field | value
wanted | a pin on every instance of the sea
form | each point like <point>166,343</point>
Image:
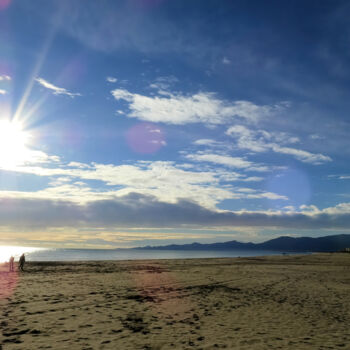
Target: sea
<point>61,254</point>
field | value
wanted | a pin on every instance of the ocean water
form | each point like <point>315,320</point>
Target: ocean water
<point>48,254</point>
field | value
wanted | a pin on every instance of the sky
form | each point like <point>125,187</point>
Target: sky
<point>153,122</point>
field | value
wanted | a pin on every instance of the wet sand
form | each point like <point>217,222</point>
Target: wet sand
<point>279,302</point>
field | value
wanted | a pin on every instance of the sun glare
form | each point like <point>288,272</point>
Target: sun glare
<point>13,141</point>
<point>15,251</point>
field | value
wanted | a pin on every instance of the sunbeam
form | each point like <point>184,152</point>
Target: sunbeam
<point>18,115</point>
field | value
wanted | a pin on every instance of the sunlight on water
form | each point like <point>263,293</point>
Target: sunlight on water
<point>15,251</point>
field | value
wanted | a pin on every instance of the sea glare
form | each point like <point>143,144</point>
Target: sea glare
<point>59,254</point>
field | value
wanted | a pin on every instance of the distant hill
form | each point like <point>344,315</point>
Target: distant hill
<point>284,243</point>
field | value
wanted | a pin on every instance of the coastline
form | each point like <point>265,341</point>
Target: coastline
<point>139,254</point>
<point>288,302</point>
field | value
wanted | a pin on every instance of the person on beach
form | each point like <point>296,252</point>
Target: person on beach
<point>22,260</point>
<point>12,260</point>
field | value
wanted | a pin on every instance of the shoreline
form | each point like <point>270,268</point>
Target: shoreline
<point>127,255</point>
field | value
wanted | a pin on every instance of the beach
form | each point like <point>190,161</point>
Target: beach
<point>274,302</point>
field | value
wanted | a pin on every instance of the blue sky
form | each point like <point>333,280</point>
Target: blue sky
<point>126,123</point>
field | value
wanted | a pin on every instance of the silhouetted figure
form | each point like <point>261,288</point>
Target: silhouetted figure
<point>12,261</point>
<point>22,260</point>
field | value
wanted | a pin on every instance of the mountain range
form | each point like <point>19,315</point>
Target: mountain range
<point>284,243</point>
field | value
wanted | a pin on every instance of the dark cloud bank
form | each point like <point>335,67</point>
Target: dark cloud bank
<point>138,211</point>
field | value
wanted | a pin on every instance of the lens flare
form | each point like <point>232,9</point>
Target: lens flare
<point>158,286</point>
<point>4,4</point>
<point>9,279</point>
<point>145,138</point>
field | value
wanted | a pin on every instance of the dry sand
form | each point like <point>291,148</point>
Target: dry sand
<point>285,302</point>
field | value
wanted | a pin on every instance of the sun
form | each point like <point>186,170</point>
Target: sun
<point>13,144</point>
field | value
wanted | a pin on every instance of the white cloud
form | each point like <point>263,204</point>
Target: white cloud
<point>166,181</point>
<point>340,177</point>
<point>264,141</point>
<point>341,208</point>
<point>253,179</point>
<point>246,190</point>
<point>111,79</point>
<point>228,161</point>
<point>303,156</point>
<point>79,165</point>
<point>203,107</point>
<point>271,195</point>
<point>234,162</point>
<point>207,142</point>
<point>5,77</point>
<point>3,92</point>
<point>56,90</point>
<point>162,84</point>
<point>246,139</point>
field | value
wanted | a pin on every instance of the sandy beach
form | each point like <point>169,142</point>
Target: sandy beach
<point>279,302</point>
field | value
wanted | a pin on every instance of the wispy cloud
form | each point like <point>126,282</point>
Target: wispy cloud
<point>264,141</point>
<point>5,77</point>
<point>111,79</point>
<point>233,162</point>
<point>229,161</point>
<point>225,60</point>
<point>3,92</point>
<point>202,107</point>
<point>303,156</point>
<point>208,143</point>
<point>162,84</point>
<point>56,90</point>
<point>339,177</point>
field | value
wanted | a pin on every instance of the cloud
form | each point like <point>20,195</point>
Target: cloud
<point>56,90</point>
<point>231,162</point>
<point>208,143</point>
<point>5,77</point>
<point>339,177</point>
<point>205,142</point>
<point>264,141</point>
<point>303,156</point>
<point>253,179</point>
<point>316,137</point>
<point>128,25</point>
<point>79,165</point>
<point>166,180</point>
<point>202,107</point>
<point>162,84</point>
<point>141,211</point>
<point>225,60</point>
<point>111,79</point>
